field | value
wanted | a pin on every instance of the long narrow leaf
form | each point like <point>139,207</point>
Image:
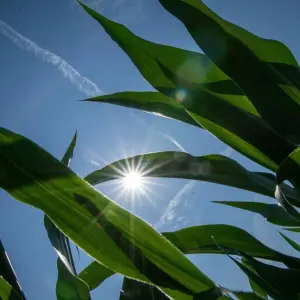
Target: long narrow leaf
<point>295,245</point>
<point>111,235</point>
<point>264,69</point>
<point>212,168</point>
<point>273,213</point>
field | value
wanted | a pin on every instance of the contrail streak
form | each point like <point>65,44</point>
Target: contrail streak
<point>79,81</point>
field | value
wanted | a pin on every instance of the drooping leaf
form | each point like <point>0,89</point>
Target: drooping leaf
<point>227,115</point>
<point>94,274</point>
<point>273,213</point>
<point>212,168</point>
<point>215,238</point>
<point>295,245</point>
<point>272,78</point>
<point>117,239</point>
<point>257,279</point>
<point>255,287</point>
<point>285,282</point>
<point>293,229</point>
<point>69,286</point>
<point>7,292</point>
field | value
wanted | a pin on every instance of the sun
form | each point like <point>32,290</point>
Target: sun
<point>133,181</point>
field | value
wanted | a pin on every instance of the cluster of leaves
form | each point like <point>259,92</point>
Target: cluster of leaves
<point>244,90</point>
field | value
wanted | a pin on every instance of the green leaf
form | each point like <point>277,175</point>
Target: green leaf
<point>295,245</point>
<point>7,292</point>
<point>247,296</point>
<point>70,151</point>
<point>8,274</point>
<point>293,229</point>
<point>94,274</point>
<point>152,102</point>
<point>285,282</point>
<point>215,238</point>
<point>212,168</point>
<point>111,235</point>
<point>136,290</point>
<point>255,287</point>
<point>68,286</point>
<point>273,213</point>
<point>272,78</point>
<point>226,113</point>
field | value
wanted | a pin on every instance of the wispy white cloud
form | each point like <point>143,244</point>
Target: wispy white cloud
<point>80,82</point>
<point>171,212</point>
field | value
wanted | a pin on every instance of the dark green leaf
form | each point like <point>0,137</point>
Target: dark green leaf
<point>284,281</point>
<point>264,69</point>
<point>217,238</point>
<point>8,274</point>
<point>256,288</point>
<point>228,115</point>
<point>273,213</point>
<point>212,168</point>
<point>295,245</point>
<point>261,282</point>
<point>247,296</point>
<point>69,286</point>
<point>108,233</point>
<point>94,274</point>
<point>152,102</point>
<point>7,292</point>
<point>136,290</point>
<point>293,229</point>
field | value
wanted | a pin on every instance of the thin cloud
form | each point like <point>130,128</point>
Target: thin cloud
<point>170,212</point>
<point>80,82</point>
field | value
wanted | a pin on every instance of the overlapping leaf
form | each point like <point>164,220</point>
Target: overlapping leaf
<point>264,69</point>
<point>212,168</point>
<point>7,292</point>
<point>108,233</point>
<point>228,115</point>
<point>295,245</point>
<point>94,274</point>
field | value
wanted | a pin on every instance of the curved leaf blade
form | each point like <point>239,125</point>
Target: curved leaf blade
<point>295,245</point>
<point>269,63</point>
<point>273,213</point>
<point>97,225</point>
<point>212,168</point>
<point>152,102</point>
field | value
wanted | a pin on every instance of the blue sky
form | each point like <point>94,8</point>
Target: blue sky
<point>53,54</point>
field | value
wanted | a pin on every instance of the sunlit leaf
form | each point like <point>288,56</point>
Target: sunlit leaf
<point>152,102</point>
<point>265,70</point>
<point>108,233</point>
<point>68,286</point>
<point>273,213</point>
<point>94,274</point>
<point>212,168</point>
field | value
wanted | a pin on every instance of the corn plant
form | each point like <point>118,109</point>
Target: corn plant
<point>245,91</point>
